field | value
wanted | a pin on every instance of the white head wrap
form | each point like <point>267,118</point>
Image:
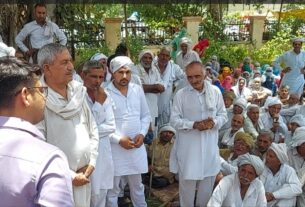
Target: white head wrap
<point>143,52</point>
<point>241,102</point>
<point>167,128</point>
<point>6,51</point>
<point>298,137</point>
<point>299,119</point>
<point>98,56</point>
<point>270,101</point>
<point>281,151</point>
<point>253,160</point>
<point>298,39</point>
<point>119,62</point>
<point>252,106</point>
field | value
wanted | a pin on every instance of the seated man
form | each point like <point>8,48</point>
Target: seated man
<point>296,157</point>
<point>291,108</point>
<point>253,124</point>
<point>243,143</point>
<point>281,183</point>
<point>258,92</point>
<point>264,140</point>
<point>158,154</point>
<point>295,122</point>
<point>227,140</point>
<point>242,188</point>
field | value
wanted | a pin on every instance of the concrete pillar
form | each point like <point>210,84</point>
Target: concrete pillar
<point>257,24</point>
<point>112,32</point>
<point>192,23</point>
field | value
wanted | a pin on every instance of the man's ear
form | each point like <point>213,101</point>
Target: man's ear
<point>24,97</point>
<point>46,68</point>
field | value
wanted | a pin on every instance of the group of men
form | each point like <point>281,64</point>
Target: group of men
<point>78,142</point>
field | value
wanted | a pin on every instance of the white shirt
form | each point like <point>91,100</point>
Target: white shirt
<point>251,129</point>
<point>102,176</point>
<point>132,117</point>
<point>196,153</point>
<point>284,185</point>
<point>227,193</point>
<point>228,138</point>
<point>244,93</point>
<point>40,35</point>
<point>184,60</point>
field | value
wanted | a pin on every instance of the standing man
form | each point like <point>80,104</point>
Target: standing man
<point>101,107</point>
<point>40,32</point>
<point>294,61</point>
<point>132,118</point>
<point>68,122</point>
<point>198,113</point>
<point>35,173</point>
<point>171,75</point>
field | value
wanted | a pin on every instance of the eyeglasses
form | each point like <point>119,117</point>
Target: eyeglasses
<point>42,90</point>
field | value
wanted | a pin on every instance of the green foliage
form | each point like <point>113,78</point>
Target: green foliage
<point>135,46</point>
<point>83,54</point>
<point>212,29</point>
<point>274,47</point>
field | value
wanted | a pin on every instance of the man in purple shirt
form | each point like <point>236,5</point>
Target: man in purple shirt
<point>33,172</point>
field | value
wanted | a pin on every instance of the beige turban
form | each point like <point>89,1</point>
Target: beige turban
<point>119,62</point>
<point>167,128</point>
<point>143,52</point>
<point>229,94</point>
<point>298,137</point>
<point>247,138</point>
<point>299,119</point>
<point>253,160</point>
<point>281,151</point>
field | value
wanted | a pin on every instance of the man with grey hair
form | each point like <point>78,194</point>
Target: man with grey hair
<point>68,122</point>
<point>253,124</point>
<point>152,85</point>
<point>263,142</point>
<point>172,76</point>
<point>197,115</point>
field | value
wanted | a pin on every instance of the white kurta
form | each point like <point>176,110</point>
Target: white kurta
<point>245,93</point>
<point>284,185</point>
<point>150,78</point>
<point>196,153</point>
<point>251,129</point>
<point>294,79</point>
<point>227,193</point>
<point>189,57</point>
<point>298,163</point>
<point>132,117</point>
<point>228,138</point>
<point>69,125</point>
<point>102,177</point>
<point>268,123</point>
<point>171,74</point>
<point>289,111</point>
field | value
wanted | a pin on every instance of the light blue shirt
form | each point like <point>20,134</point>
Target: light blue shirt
<point>39,35</point>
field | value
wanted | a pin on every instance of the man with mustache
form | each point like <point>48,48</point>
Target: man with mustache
<point>68,122</point>
<point>242,188</point>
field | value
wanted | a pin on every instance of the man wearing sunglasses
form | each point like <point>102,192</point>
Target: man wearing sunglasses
<point>33,171</point>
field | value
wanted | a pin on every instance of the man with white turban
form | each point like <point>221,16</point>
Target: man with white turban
<point>253,123</point>
<point>272,119</point>
<point>103,60</point>
<point>291,108</point>
<point>296,155</point>
<point>296,121</point>
<point>186,55</point>
<point>152,85</point>
<point>281,182</point>
<point>227,140</point>
<point>242,188</point>
<point>132,120</point>
<point>294,61</point>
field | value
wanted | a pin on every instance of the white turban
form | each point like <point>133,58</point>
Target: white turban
<point>270,101</point>
<point>143,52</point>
<point>253,160</point>
<point>252,106</point>
<point>119,62</point>
<point>299,119</point>
<point>98,56</point>
<point>298,39</point>
<point>281,151</point>
<point>298,137</point>
<point>167,128</point>
<point>241,102</point>
<point>6,51</point>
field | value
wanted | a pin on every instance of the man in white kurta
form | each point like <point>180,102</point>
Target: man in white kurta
<point>228,192</point>
<point>198,113</point>
<point>68,122</point>
<point>101,108</point>
<point>294,61</point>
<point>132,118</point>
<point>296,155</point>
<point>281,182</point>
<point>171,74</point>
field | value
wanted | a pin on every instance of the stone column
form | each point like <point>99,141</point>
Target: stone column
<point>112,32</point>
<point>192,23</point>
<point>257,24</point>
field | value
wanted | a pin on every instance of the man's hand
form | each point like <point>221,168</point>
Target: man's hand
<point>150,168</point>
<point>100,95</point>
<point>138,140</point>
<point>286,70</point>
<point>127,143</point>
<point>204,124</point>
<point>80,179</point>
<point>269,196</point>
<point>86,170</point>
<point>29,53</point>
<point>160,88</point>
